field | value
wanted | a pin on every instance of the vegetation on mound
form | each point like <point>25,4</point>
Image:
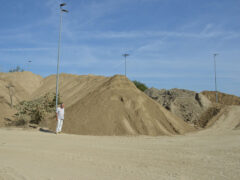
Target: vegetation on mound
<point>140,85</point>
<point>17,69</point>
<point>35,111</point>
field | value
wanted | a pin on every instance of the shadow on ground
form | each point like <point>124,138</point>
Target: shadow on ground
<point>46,130</point>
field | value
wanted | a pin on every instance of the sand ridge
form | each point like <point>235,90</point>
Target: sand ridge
<point>223,98</point>
<point>98,105</point>
<point>117,107</point>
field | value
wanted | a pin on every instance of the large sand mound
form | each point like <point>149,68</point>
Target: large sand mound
<point>223,98</point>
<point>99,105</point>
<point>187,105</point>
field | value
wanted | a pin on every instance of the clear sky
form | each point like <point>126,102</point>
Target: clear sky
<point>171,42</point>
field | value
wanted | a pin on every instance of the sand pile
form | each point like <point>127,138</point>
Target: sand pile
<point>71,87</point>
<point>223,98</point>
<point>96,105</point>
<point>227,118</point>
<point>99,105</point>
<point>188,105</point>
<point>23,85</point>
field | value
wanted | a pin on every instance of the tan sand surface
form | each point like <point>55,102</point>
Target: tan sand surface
<point>98,105</point>
<point>94,105</point>
<point>227,119</point>
<point>23,85</point>
<point>33,155</point>
<point>223,98</point>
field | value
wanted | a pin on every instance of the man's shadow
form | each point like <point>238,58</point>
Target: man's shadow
<point>46,131</point>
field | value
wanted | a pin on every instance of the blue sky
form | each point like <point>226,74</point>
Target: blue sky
<point>171,42</point>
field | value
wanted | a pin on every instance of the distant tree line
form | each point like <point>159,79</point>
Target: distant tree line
<point>17,69</point>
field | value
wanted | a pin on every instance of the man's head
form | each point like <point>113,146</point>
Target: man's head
<point>62,105</point>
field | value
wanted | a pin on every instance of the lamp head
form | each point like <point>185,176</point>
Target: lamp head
<point>125,55</point>
<point>63,4</point>
<point>64,10</point>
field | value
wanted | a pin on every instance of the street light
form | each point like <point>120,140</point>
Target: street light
<point>59,41</point>
<point>215,70</point>
<point>125,56</point>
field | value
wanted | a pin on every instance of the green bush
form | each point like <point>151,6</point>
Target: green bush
<point>140,85</point>
<point>35,111</point>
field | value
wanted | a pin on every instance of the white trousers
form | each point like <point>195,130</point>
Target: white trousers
<point>59,125</point>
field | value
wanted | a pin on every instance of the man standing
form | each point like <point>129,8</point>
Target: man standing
<point>59,118</point>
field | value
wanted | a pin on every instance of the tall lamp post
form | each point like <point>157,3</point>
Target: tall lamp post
<point>215,70</point>
<point>125,56</point>
<point>59,41</point>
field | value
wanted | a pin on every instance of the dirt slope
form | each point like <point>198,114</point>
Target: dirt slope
<point>187,105</point>
<point>227,119</point>
<point>24,84</point>
<point>95,105</point>
<point>5,112</point>
<point>99,105</point>
<point>71,87</point>
<point>223,98</point>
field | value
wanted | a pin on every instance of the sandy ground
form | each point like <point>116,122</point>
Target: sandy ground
<point>33,155</point>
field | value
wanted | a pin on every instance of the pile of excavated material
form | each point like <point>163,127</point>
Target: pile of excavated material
<point>113,106</point>
<point>188,105</point>
<point>98,105</point>
<point>95,105</point>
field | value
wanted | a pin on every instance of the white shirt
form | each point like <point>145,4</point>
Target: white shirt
<point>60,113</point>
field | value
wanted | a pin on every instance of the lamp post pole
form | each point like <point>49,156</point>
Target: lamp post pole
<point>59,42</point>
<point>125,56</point>
<point>215,70</point>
